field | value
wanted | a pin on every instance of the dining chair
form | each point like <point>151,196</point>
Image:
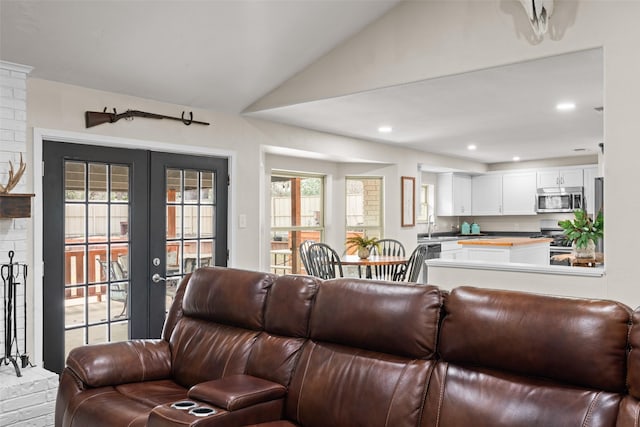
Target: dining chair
<point>411,272</point>
<point>324,262</point>
<point>303,250</point>
<point>118,291</point>
<point>387,247</point>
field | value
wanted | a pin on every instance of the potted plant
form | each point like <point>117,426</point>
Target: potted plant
<point>363,244</point>
<point>583,233</point>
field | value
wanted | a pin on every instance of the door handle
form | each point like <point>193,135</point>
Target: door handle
<point>156,278</point>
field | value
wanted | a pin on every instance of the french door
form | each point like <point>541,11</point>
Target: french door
<point>121,228</point>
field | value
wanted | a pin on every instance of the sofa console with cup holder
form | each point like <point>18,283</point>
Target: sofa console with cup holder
<point>243,348</point>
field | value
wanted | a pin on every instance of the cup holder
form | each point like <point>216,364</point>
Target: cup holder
<point>202,411</point>
<point>183,405</point>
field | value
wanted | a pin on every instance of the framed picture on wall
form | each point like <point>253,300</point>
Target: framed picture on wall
<point>408,195</point>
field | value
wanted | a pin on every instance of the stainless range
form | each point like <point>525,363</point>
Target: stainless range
<point>559,246</point>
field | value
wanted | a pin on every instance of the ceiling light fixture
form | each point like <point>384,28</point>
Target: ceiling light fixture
<point>539,12</point>
<point>565,106</point>
<point>385,129</point>
<point>516,158</point>
<point>471,147</point>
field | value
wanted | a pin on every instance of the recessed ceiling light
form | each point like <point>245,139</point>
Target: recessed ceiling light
<point>566,106</point>
<point>471,147</point>
<point>385,129</point>
<point>516,158</point>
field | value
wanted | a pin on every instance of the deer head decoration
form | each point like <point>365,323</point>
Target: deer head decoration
<point>14,177</point>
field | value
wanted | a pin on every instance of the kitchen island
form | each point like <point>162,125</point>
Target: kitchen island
<point>454,268</point>
<point>524,250</point>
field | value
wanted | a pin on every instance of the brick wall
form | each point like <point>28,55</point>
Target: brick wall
<point>27,400</point>
<point>372,201</point>
<point>13,129</point>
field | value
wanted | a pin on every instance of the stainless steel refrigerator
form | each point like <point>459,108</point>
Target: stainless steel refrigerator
<point>599,206</point>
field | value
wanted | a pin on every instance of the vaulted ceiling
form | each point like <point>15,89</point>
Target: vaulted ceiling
<point>226,55</point>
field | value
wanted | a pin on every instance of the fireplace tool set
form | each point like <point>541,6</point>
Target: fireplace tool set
<point>14,275</point>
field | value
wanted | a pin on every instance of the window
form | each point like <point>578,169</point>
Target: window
<point>297,214</point>
<point>364,207</point>
<point>426,200</point>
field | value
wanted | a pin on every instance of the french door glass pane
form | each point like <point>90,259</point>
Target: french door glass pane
<point>119,183</point>
<point>190,222</point>
<point>207,184</point>
<point>96,252</point>
<point>98,311</point>
<point>190,215</point>
<point>190,186</point>
<point>74,181</point>
<point>73,338</point>
<point>97,221</point>
<point>174,185</point>
<point>97,182</point>
<point>206,221</point>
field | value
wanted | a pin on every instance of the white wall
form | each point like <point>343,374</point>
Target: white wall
<point>416,40</point>
<point>60,107</point>
<point>424,39</point>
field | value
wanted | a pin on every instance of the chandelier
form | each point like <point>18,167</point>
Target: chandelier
<point>538,12</point>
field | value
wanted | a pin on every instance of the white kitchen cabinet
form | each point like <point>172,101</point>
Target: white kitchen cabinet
<point>519,193</point>
<point>486,195</point>
<point>520,250</point>
<point>590,174</point>
<point>560,178</point>
<point>452,250</point>
<point>453,194</point>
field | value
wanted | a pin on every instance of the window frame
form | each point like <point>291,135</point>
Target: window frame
<point>320,227</point>
<point>368,230</point>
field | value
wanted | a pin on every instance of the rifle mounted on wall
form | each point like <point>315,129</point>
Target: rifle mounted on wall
<point>95,118</point>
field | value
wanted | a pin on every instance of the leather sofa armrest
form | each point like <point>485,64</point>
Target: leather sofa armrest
<point>237,391</point>
<point>121,362</point>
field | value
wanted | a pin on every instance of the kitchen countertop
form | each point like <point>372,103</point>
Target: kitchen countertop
<point>505,241</point>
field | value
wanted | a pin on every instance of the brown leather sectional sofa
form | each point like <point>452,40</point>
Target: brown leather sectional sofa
<point>255,349</point>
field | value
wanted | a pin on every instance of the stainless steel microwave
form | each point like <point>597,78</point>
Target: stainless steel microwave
<point>566,199</point>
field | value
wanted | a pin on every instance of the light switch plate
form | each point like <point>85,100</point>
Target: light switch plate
<point>242,221</point>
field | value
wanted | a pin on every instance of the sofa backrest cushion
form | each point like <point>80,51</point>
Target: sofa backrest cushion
<point>222,317</point>
<point>341,386</point>
<point>462,396</point>
<point>289,305</point>
<point>203,351</point>
<point>574,341</point>
<point>633,369</point>
<point>175,311</point>
<point>374,316</point>
<point>276,351</point>
<point>368,359</point>
<point>227,296</point>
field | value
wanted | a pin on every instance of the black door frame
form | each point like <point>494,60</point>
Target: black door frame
<point>90,144</point>
<point>160,162</point>
<point>53,257</point>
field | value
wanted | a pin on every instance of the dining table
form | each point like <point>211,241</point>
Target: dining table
<point>373,261</point>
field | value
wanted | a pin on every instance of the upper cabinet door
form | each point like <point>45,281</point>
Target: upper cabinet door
<point>560,178</point>
<point>461,195</point>
<point>453,195</point>
<point>548,179</point>
<point>519,193</point>
<point>571,178</point>
<point>486,195</point>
